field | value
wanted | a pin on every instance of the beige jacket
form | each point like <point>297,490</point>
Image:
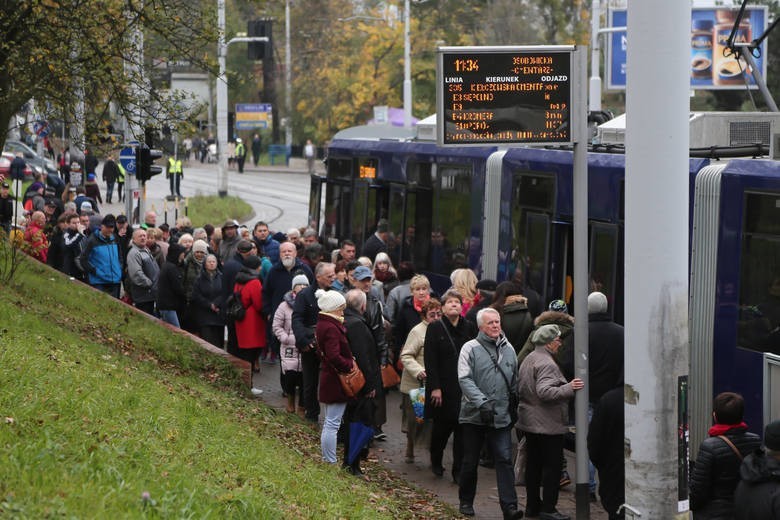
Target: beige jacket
<point>412,357</point>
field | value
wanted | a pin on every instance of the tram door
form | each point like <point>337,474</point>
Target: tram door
<point>533,202</point>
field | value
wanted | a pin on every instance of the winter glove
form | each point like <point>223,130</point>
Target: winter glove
<point>487,412</point>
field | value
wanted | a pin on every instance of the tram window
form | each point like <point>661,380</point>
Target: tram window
<point>339,168</point>
<point>759,294</point>
<point>535,191</point>
<point>419,174</point>
<point>603,258</point>
<point>338,199</point>
<point>395,219</point>
<point>359,213</point>
<point>452,220</point>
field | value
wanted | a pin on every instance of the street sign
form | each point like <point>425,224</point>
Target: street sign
<point>41,128</point>
<point>127,159</point>
<point>250,116</point>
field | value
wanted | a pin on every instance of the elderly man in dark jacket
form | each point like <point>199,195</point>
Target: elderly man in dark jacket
<point>605,349</point>
<point>363,347</point>
<point>443,341</point>
<point>304,320</point>
<point>758,493</point>
<point>716,472</point>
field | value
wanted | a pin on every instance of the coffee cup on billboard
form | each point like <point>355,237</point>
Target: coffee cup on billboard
<point>700,63</point>
<point>729,69</point>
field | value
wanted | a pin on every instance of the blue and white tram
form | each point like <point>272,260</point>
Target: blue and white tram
<point>508,213</point>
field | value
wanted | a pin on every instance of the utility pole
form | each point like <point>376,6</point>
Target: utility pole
<point>288,130</point>
<point>222,96</point>
<point>407,67</point>
<point>656,264</point>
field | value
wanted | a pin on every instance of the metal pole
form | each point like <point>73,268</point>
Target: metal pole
<point>656,259</point>
<point>594,101</point>
<point>580,243</point>
<point>222,101</point>
<point>407,68</point>
<point>288,130</point>
<point>759,79</point>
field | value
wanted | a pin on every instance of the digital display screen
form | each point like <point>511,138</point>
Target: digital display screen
<point>504,95</point>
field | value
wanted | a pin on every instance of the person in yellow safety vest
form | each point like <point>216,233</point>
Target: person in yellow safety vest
<point>174,173</point>
<point>240,154</point>
<point>120,181</point>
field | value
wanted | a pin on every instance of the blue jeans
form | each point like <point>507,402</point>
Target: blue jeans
<point>333,414</point>
<point>499,441</point>
<point>170,317</point>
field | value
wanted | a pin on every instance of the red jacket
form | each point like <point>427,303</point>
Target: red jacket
<point>335,355</point>
<point>251,330</point>
<point>36,241</point>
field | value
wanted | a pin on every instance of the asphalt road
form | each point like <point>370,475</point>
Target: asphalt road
<point>278,195</point>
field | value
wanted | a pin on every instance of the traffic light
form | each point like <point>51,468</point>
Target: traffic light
<point>144,160</point>
<point>259,50</point>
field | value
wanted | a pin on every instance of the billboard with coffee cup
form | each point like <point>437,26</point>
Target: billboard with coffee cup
<point>713,66</point>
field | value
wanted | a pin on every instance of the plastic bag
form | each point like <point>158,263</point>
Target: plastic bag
<point>417,397</point>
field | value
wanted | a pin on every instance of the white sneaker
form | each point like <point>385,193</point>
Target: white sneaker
<point>257,391</point>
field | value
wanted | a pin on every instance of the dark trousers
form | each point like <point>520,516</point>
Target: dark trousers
<point>440,434</point>
<point>113,290</point>
<point>232,339</point>
<point>119,187</point>
<point>147,307</point>
<point>240,161</point>
<point>543,469</point>
<point>175,181</point>
<point>311,380</point>
<point>499,442</point>
<point>109,191</point>
<point>214,334</point>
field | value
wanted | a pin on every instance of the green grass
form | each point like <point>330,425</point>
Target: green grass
<point>101,407</point>
<point>204,209</point>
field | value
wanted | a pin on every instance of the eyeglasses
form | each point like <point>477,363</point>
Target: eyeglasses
<point>434,314</point>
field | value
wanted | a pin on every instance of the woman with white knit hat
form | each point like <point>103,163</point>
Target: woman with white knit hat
<point>336,357</point>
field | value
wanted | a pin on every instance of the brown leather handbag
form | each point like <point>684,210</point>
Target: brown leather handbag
<point>390,377</point>
<point>353,381</point>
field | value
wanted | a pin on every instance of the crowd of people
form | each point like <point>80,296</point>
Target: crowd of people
<point>493,361</point>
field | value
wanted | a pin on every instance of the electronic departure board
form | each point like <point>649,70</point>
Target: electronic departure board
<point>505,95</point>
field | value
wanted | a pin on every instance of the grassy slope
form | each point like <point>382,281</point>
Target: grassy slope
<point>99,405</point>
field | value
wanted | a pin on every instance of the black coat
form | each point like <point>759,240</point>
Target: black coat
<point>605,354</point>
<point>170,287</point>
<point>441,365</point>
<point>373,246</point>
<point>110,171</point>
<point>758,493</point>
<point>278,282</point>
<point>304,317</point>
<point>716,474</point>
<point>605,448</point>
<point>406,317</point>
<point>205,291</point>
<point>363,347</point>
<point>7,209</point>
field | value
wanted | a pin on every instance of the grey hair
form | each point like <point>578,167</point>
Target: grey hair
<point>481,314</point>
<point>356,299</point>
<point>321,268</point>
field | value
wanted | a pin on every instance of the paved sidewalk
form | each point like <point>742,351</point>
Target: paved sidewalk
<point>391,453</point>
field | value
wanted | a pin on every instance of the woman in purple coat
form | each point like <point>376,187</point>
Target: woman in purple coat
<point>336,357</point>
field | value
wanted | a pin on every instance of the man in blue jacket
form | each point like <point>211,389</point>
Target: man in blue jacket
<point>100,258</point>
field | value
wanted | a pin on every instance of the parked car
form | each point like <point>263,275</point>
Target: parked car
<point>5,167</point>
<point>37,163</point>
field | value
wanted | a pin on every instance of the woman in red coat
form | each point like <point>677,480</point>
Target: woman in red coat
<point>250,332</point>
<point>336,357</point>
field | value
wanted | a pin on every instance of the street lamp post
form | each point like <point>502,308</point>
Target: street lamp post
<point>222,95</point>
<point>407,68</point>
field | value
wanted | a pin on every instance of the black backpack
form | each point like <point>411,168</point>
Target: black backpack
<point>234,307</point>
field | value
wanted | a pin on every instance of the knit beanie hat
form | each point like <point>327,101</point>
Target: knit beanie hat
<point>772,436</point>
<point>329,301</point>
<point>201,246</point>
<point>299,280</point>
<point>545,334</point>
